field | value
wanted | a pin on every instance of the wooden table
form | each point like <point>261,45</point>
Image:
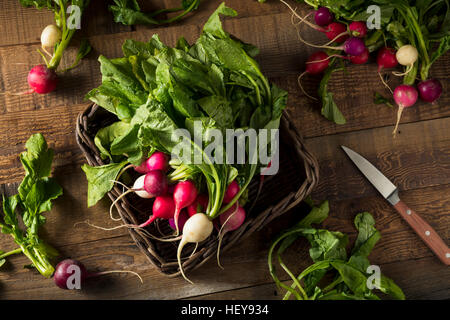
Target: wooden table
<point>418,161</point>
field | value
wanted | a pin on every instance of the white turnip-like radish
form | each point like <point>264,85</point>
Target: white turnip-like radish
<point>50,36</point>
<point>405,96</point>
<point>230,220</point>
<point>71,274</point>
<point>430,90</point>
<point>406,55</point>
<point>196,229</point>
<point>184,195</point>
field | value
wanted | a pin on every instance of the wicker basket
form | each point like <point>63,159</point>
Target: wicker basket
<point>298,174</point>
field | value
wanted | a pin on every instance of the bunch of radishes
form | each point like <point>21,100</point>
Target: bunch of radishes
<point>182,205</point>
<point>351,38</point>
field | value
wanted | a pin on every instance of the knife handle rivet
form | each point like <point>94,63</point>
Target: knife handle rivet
<point>427,233</point>
<point>408,212</point>
<point>447,255</point>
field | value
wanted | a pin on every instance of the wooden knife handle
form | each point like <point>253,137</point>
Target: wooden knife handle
<point>424,230</point>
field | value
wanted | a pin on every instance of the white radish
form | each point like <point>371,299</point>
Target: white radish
<point>50,36</point>
<point>196,229</point>
<point>406,55</point>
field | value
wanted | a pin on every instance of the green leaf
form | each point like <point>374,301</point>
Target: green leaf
<point>329,108</point>
<point>368,235</point>
<point>106,136</point>
<point>101,180</point>
<point>214,25</point>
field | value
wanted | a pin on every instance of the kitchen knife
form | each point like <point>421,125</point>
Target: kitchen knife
<point>390,192</point>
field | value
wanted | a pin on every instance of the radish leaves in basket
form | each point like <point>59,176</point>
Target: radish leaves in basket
<point>155,89</point>
<point>35,196</point>
<point>350,276</point>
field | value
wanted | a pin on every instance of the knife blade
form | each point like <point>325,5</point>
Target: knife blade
<point>390,192</point>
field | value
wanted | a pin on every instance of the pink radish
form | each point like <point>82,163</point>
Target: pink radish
<point>158,161</point>
<point>358,29</point>
<point>163,208</point>
<point>230,220</point>
<point>323,16</point>
<point>42,79</point>
<point>232,190</point>
<point>199,205</point>
<point>184,195</point>
<point>71,274</point>
<point>405,96</point>
<point>430,90</point>
<point>316,63</point>
<point>142,168</point>
<point>196,229</point>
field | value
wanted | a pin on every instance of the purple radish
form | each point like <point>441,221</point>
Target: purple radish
<point>71,274</point>
<point>156,183</point>
<point>184,195</point>
<point>323,16</point>
<point>181,220</point>
<point>405,96</point>
<point>158,161</point>
<point>430,90</point>
<point>230,220</point>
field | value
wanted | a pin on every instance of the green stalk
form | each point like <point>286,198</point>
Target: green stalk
<point>9,253</point>
<point>40,262</point>
<point>189,9</point>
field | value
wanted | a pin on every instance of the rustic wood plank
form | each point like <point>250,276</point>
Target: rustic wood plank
<point>24,25</point>
<point>418,157</point>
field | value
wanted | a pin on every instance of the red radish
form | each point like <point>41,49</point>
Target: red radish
<point>230,220</point>
<point>336,31</point>
<point>405,96</point>
<point>158,161</point>
<point>184,195</point>
<point>358,29</point>
<point>156,183</point>
<point>199,205</point>
<point>323,16</point>
<point>386,59</point>
<point>232,190</point>
<point>71,274</point>
<point>163,208</point>
<point>361,59</point>
<point>196,229</point>
<point>142,168</point>
<point>42,79</point>
<point>430,90</point>
<point>316,63</point>
<point>181,220</point>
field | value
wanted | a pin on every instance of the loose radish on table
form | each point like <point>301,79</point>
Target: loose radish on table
<point>323,16</point>
<point>184,195</point>
<point>230,220</point>
<point>42,79</point>
<point>405,96</point>
<point>430,90</point>
<point>406,55</point>
<point>358,29</point>
<point>196,229</point>
<point>71,274</point>
<point>386,59</point>
<point>199,205</point>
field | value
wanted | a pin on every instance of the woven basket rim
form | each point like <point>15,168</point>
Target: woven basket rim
<point>209,247</point>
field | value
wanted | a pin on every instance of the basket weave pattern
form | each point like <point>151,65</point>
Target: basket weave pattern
<point>299,163</point>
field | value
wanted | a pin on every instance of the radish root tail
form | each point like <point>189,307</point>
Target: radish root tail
<point>119,271</point>
<point>401,74</point>
<point>384,82</point>
<point>299,80</point>
<point>399,114</point>
<point>222,234</point>
<point>180,248</point>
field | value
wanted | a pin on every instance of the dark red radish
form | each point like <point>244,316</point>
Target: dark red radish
<point>72,274</point>
<point>323,16</point>
<point>158,161</point>
<point>184,195</point>
<point>337,32</point>
<point>430,90</point>
<point>156,183</point>
<point>42,79</point>
<point>199,205</point>
<point>316,64</point>
<point>405,96</point>
<point>163,208</point>
<point>354,46</point>
<point>142,168</point>
<point>232,190</point>
<point>230,220</point>
<point>386,59</point>
<point>358,29</point>
<point>181,220</point>
<point>361,59</point>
